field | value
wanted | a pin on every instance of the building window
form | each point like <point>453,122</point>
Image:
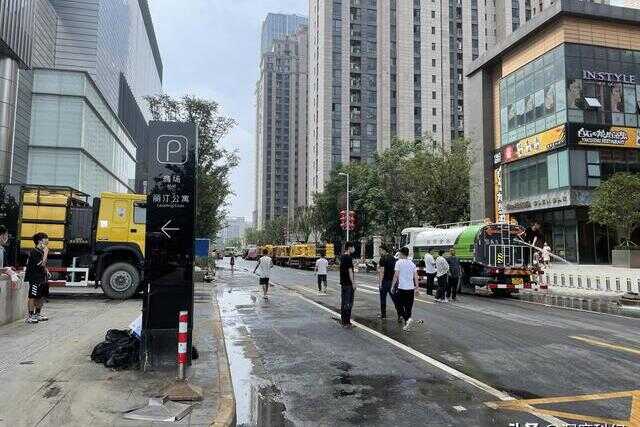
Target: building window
<point>433,95</point>
<point>433,62</point>
<point>593,168</point>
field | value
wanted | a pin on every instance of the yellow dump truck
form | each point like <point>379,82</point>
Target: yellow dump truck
<point>99,242</point>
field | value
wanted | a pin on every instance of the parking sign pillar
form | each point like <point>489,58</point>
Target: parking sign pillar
<point>169,246</point>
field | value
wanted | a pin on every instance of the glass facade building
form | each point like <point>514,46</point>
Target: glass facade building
<point>76,139</point>
<point>564,112</point>
<point>94,61</point>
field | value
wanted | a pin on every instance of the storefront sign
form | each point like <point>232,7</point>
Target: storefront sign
<point>535,144</point>
<point>556,199</point>
<point>499,196</point>
<point>604,136</point>
<point>542,201</point>
<point>602,76</point>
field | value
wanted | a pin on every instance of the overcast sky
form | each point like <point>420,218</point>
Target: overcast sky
<point>210,48</point>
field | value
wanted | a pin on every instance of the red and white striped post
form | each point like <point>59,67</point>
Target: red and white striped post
<point>183,319</point>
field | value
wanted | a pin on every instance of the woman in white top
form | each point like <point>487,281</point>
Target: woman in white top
<point>405,285</point>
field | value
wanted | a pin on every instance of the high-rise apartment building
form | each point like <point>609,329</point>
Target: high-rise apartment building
<point>233,231</point>
<point>281,128</point>
<point>278,25</point>
<point>381,69</point>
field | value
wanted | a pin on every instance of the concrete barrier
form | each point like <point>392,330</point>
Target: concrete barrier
<point>13,302</point>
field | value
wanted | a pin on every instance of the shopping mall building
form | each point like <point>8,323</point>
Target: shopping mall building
<point>559,114</point>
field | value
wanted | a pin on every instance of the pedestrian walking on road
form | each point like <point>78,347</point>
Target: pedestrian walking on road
<point>405,286</point>
<point>442,271</point>
<point>36,274</point>
<point>347,284</point>
<point>386,272</point>
<point>455,272</point>
<point>263,269</point>
<point>232,262</point>
<point>430,269</point>
<point>321,271</point>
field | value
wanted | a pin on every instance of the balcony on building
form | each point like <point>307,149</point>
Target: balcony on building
<point>356,114</point>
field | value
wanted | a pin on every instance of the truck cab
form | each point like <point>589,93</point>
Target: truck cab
<point>119,229</point>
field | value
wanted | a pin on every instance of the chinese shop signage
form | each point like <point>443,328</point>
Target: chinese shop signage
<point>604,136</point>
<point>530,146</point>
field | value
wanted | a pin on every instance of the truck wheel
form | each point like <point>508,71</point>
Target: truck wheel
<point>120,281</point>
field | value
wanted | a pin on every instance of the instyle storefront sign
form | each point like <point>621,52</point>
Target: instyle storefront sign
<point>603,76</point>
<point>532,145</point>
<point>604,136</point>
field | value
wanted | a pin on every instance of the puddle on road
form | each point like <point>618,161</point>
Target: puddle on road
<point>257,402</point>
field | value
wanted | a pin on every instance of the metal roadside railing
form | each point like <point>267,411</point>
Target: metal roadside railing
<point>612,283</point>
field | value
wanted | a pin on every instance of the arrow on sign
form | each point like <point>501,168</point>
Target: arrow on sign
<point>166,228</point>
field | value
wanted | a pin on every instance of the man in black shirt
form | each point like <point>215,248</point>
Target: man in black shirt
<point>36,275</point>
<point>347,284</point>
<point>386,271</point>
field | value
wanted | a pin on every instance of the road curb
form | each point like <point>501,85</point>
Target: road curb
<point>226,408</point>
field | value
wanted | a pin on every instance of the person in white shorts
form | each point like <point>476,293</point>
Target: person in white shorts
<point>263,269</point>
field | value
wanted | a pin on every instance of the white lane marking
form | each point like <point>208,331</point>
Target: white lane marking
<point>437,364</point>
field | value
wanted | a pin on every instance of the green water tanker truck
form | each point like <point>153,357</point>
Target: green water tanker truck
<point>494,257</point>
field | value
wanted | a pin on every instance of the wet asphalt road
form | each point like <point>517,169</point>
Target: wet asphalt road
<point>292,363</point>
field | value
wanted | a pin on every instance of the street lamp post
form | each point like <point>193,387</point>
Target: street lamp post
<point>348,211</point>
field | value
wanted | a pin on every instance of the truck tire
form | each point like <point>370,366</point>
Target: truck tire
<point>120,281</point>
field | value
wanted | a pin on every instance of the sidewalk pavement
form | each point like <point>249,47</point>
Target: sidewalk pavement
<point>48,378</point>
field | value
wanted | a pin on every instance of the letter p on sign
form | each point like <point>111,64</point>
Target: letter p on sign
<point>172,149</point>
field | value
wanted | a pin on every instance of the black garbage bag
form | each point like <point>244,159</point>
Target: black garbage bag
<point>119,350</point>
<point>125,355</point>
<point>102,352</point>
<point>115,335</point>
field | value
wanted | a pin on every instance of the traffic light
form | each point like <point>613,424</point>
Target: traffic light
<point>343,220</point>
<point>352,220</point>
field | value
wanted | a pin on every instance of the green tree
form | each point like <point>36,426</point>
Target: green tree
<point>303,225</point>
<point>448,184</point>
<point>214,161</point>
<point>253,236</point>
<point>275,231</point>
<point>616,203</point>
<point>234,243</point>
<point>328,204</point>
<point>409,184</point>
